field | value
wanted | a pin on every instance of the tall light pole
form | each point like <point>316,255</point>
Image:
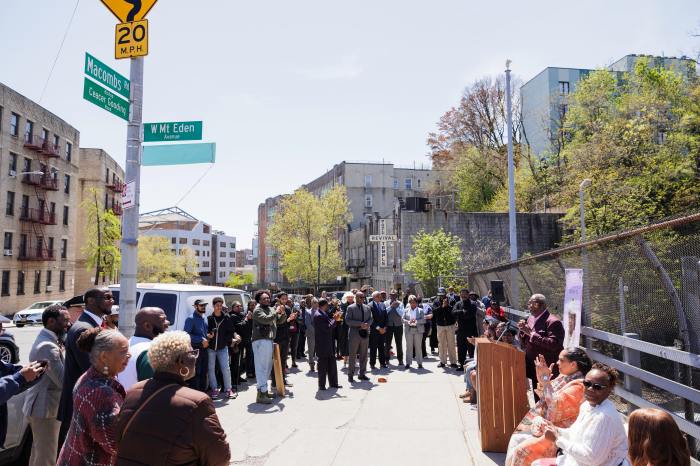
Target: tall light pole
<point>512,227</point>
<point>586,314</point>
<point>581,187</point>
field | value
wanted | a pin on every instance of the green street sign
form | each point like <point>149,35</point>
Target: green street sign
<point>178,154</point>
<point>172,131</point>
<point>106,75</point>
<point>98,95</point>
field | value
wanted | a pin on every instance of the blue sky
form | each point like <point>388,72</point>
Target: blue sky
<point>288,89</point>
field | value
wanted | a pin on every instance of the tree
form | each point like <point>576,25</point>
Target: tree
<point>103,234</point>
<point>302,224</point>
<point>239,280</point>
<point>157,263</point>
<point>434,254</point>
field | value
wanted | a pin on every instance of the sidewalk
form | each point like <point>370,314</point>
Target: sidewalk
<point>416,418</point>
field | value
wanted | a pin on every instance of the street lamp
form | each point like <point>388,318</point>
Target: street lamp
<point>584,184</point>
<point>512,228</point>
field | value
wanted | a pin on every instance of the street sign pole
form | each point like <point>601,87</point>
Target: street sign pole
<point>130,225</point>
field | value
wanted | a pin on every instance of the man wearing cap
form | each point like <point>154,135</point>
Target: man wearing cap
<point>196,326</point>
<point>445,323</point>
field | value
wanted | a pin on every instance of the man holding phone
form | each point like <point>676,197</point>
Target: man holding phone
<point>41,402</point>
<point>196,326</point>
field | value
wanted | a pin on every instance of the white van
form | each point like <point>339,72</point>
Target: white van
<point>177,300</point>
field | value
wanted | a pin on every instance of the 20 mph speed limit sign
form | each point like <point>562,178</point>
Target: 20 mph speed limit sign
<point>131,39</point>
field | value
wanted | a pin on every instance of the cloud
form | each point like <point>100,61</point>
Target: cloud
<point>347,68</point>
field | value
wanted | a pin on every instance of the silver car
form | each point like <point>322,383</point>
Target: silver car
<point>32,314</point>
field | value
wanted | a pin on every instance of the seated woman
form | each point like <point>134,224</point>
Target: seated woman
<point>559,404</point>
<point>656,440</point>
<point>598,436</point>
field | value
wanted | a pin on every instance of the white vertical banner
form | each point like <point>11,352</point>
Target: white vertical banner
<point>383,248</point>
<point>572,307</point>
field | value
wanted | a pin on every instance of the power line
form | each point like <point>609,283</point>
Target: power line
<point>60,48</point>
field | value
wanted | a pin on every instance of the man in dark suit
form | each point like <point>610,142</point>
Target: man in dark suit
<point>542,334</point>
<point>465,315</point>
<point>323,339</point>
<point>377,340</point>
<point>98,304</point>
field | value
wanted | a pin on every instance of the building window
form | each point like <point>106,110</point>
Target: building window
<point>408,183</point>
<point>44,135</point>
<point>10,206</point>
<point>66,184</point>
<point>195,242</point>
<point>173,240</point>
<point>196,252</point>
<point>65,215</point>
<point>563,87</point>
<point>29,131</point>
<point>205,242</point>
<point>222,244</point>
<point>51,245</point>
<point>222,254</point>
<point>69,151</point>
<point>368,201</point>
<point>56,140</point>
<point>222,264</point>
<point>20,282</point>
<point>231,264</point>
<point>64,249</point>
<point>48,280</point>
<point>37,281</point>
<point>7,241</point>
<point>205,264</point>
<point>232,254</point>
<point>24,208</point>
<point>14,124</point>
<point>22,245</point>
<point>395,181</point>
<point>62,280</point>
<point>5,283</point>
<point>27,165</point>
<point>183,240</point>
<point>107,175</point>
<point>368,181</point>
<point>418,182</point>
<point>438,204</point>
<point>52,210</point>
<point>232,245</point>
<point>13,164</point>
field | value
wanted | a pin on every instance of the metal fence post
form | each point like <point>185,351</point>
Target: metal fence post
<point>632,384</point>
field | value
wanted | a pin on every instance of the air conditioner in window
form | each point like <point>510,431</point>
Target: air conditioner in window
<point>49,288</point>
<point>13,173</point>
<point>7,252</point>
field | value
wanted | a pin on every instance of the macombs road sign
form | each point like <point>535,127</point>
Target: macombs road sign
<point>106,75</point>
<point>108,100</point>
<point>172,131</point>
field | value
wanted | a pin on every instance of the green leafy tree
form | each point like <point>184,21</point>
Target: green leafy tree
<point>433,255</point>
<point>157,263</point>
<point>302,224</point>
<point>239,280</point>
<point>103,234</point>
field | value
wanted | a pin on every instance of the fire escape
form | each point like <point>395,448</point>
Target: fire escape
<point>34,243</point>
<point>117,187</point>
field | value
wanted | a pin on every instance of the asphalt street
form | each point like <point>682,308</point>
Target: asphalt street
<point>417,414</point>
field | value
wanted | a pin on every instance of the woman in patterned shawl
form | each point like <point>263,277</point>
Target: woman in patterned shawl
<point>97,400</point>
<point>559,404</point>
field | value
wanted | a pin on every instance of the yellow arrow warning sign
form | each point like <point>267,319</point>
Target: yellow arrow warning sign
<point>128,11</point>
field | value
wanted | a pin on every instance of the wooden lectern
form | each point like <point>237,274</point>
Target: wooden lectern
<point>277,367</point>
<point>502,390</point>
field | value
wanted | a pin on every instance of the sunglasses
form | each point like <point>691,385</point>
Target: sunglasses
<point>108,298</point>
<point>594,386</point>
<point>194,353</point>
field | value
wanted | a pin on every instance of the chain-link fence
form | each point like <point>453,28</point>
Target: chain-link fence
<point>641,283</point>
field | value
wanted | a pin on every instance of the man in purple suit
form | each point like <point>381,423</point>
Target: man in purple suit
<point>323,334</point>
<point>542,334</point>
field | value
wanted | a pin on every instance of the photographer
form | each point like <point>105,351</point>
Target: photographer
<point>265,321</point>
<point>445,324</point>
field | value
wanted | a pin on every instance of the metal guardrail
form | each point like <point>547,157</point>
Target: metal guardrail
<point>634,375</point>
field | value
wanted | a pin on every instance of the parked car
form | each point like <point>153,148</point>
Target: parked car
<point>177,300</point>
<point>19,436</point>
<point>32,314</point>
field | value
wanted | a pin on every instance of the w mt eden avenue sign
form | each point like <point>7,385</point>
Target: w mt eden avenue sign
<point>172,131</point>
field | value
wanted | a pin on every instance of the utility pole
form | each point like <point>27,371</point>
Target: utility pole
<point>512,227</point>
<point>130,225</point>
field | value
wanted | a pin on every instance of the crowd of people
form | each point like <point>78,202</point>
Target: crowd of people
<point>97,398</point>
